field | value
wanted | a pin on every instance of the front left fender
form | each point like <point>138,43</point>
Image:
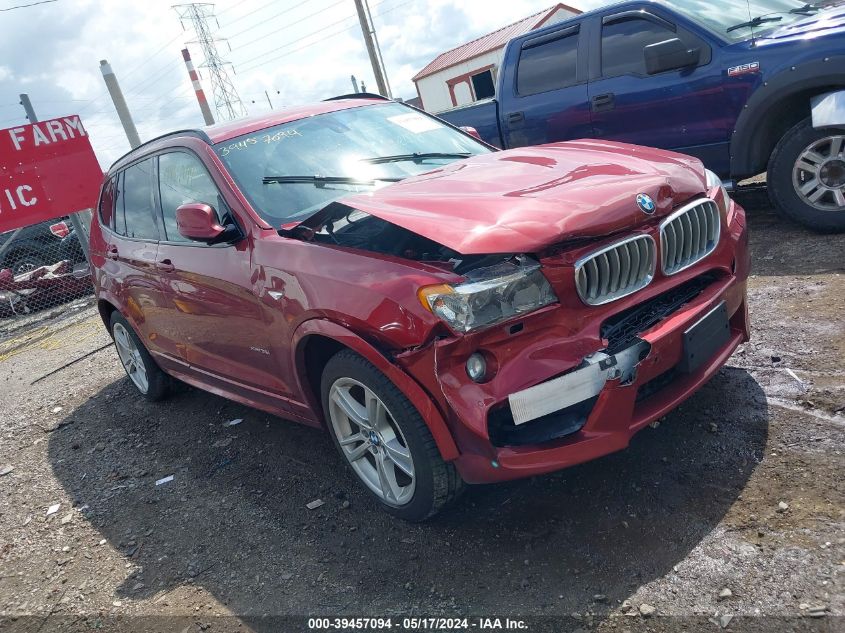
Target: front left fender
<point>412,390</point>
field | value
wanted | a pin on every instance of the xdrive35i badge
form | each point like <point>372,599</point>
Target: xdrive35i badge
<point>645,203</point>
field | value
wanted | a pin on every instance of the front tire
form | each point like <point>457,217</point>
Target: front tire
<point>806,177</point>
<point>384,440</point>
<point>143,373</point>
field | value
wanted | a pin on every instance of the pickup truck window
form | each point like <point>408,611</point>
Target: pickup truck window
<point>549,65</point>
<point>622,44</point>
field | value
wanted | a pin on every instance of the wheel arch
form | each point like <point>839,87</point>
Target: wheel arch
<point>106,308</point>
<point>317,340</point>
<point>775,107</point>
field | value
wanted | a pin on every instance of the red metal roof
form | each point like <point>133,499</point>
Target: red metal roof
<point>489,42</point>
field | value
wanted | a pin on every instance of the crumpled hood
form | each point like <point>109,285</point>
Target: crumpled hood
<point>523,200</point>
<point>825,22</point>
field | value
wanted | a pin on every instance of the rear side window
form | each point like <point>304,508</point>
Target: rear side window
<point>622,45</point>
<point>182,179</point>
<point>134,209</point>
<point>548,65</point>
<point>107,204</point>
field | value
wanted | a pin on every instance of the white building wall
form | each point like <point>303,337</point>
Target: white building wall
<point>434,89</point>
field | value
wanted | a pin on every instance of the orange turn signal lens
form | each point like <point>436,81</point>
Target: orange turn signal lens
<point>426,293</point>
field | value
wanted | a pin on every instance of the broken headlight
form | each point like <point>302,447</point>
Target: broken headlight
<point>489,295</point>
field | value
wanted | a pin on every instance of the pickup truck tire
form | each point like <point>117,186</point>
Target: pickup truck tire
<point>806,177</point>
<point>376,428</point>
<point>142,370</point>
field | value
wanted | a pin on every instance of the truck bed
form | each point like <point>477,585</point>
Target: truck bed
<point>482,115</point>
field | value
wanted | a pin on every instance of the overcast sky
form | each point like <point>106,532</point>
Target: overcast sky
<point>298,51</point>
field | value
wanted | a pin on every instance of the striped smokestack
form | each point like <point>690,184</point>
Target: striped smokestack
<point>195,80</point>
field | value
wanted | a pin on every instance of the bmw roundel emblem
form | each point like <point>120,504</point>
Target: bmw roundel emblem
<point>645,203</point>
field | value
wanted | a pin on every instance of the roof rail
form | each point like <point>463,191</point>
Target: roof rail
<point>200,134</point>
<point>359,95</point>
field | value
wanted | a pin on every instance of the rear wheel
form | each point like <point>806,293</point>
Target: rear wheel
<point>384,440</point>
<point>140,367</point>
<point>806,176</point>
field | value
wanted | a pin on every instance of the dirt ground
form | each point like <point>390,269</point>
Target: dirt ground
<point>732,507</point>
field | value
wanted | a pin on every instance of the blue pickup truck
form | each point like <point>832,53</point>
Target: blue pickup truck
<point>747,87</point>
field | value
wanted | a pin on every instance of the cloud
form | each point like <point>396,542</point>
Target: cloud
<point>296,51</point>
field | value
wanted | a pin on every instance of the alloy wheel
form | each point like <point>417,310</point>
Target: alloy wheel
<point>372,441</point>
<point>131,358</point>
<point>819,174</point>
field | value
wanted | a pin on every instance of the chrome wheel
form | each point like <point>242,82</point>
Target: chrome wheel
<point>131,357</point>
<point>819,174</point>
<point>372,441</point>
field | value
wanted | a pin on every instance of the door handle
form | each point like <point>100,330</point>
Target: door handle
<point>165,266</point>
<point>603,102</point>
<point>111,252</point>
<point>516,117</point>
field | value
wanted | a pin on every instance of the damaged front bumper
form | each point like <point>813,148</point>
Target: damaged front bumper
<point>573,383</point>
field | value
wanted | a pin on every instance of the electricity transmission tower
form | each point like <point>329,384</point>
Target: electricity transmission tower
<point>226,100</point>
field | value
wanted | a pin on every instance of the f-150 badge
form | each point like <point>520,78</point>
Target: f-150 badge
<point>744,69</point>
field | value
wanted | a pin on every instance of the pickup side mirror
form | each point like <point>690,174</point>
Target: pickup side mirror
<point>198,222</point>
<point>670,54</point>
<point>471,131</point>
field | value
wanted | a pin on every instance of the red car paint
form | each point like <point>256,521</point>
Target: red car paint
<point>246,321</point>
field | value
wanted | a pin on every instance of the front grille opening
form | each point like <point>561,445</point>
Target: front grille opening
<point>623,328</point>
<point>616,271</point>
<point>657,384</point>
<point>503,432</point>
<point>689,235</point>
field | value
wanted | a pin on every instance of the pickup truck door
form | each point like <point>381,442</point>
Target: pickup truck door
<point>544,89</point>
<point>682,109</point>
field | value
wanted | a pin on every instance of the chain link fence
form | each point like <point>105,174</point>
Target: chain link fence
<point>44,273</point>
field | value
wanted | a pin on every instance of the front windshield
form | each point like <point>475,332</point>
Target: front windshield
<point>273,166</point>
<point>720,16</point>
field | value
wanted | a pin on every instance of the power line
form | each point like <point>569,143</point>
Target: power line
<point>150,57</point>
<point>322,39</point>
<point>31,4</point>
<point>286,26</point>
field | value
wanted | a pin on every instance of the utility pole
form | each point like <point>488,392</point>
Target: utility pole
<point>368,31</point>
<point>195,81</point>
<point>268,99</point>
<point>120,104</point>
<point>78,225</point>
<point>227,102</point>
<point>27,106</point>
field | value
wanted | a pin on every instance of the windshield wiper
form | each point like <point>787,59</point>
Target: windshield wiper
<point>322,181</point>
<point>416,157</point>
<point>806,9</point>
<point>755,22</point>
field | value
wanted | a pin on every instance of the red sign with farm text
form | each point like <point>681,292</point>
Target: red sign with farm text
<point>47,169</point>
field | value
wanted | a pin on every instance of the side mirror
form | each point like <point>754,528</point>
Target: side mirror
<point>471,131</point>
<point>670,54</point>
<point>198,222</point>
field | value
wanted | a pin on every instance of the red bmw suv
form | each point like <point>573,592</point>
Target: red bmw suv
<point>450,313</point>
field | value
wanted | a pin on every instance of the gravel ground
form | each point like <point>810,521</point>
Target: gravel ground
<point>731,507</point>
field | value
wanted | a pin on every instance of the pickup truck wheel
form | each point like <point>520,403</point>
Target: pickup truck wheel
<point>384,440</point>
<point>142,370</point>
<point>806,177</point>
